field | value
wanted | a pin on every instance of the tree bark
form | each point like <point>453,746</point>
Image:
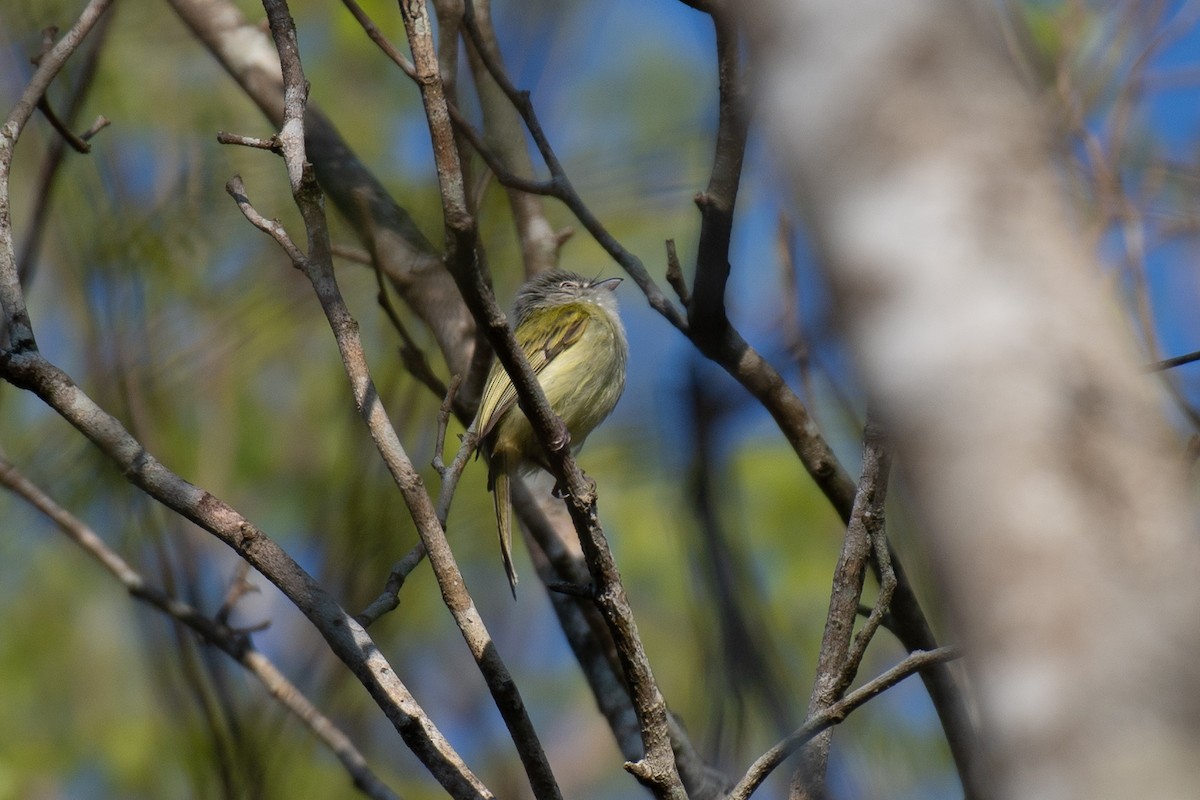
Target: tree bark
<point>1034,446</point>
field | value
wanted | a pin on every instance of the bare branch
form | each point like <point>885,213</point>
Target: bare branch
<point>271,143</point>
<point>17,328</point>
<point>214,631</point>
<point>272,227</point>
<point>49,171</point>
<point>411,262</point>
<point>411,354</point>
<point>451,474</point>
<point>1174,361</point>
<point>506,139</point>
<point>389,600</point>
<point>839,656</point>
<point>98,125</point>
<point>439,443</point>
<point>880,613</point>
<point>565,191</point>
<point>317,266</point>
<point>675,275</point>
<point>835,714</point>
<point>239,587</point>
<point>382,42</point>
<point>77,143</point>
<point>707,321</point>
<point>509,180</point>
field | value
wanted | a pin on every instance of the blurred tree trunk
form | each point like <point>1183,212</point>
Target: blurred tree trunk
<point>1050,486</point>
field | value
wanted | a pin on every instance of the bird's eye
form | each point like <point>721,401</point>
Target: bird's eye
<point>569,285</point>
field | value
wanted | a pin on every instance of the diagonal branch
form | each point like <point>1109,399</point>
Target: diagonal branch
<point>506,139</point>
<point>1174,361</point>
<point>235,644</point>
<point>835,714</point>
<point>406,256</point>
<point>317,266</point>
<point>657,767</point>
<point>563,189</point>
<point>29,370</point>
<point>839,655</point>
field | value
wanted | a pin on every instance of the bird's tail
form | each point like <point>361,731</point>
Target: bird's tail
<point>502,497</point>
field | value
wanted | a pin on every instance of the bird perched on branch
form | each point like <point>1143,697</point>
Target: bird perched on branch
<point>569,330</point>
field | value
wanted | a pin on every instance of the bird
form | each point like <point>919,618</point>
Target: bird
<point>571,334</point>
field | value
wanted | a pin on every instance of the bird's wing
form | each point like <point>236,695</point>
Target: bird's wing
<point>542,343</point>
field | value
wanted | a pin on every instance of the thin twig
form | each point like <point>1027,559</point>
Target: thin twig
<point>880,613</point>
<point>381,41</point>
<point>766,763</point>
<point>270,143</point>
<point>675,277</point>
<point>1174,361</point>
<point>506,134</point>
<point>272,227</point>
<point>49,34</point>
<point>443,419</point>
<point>77,143</point>
<point>411,355</point>
<point>101,122</point>
<point>629,262</point>
<point>16,330</point>
<point>355,254</point>
<point>239,587</point>
<point>452,474</point>
<point>389,600</point>
<point>509,180</point>
<point>39,207</point>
